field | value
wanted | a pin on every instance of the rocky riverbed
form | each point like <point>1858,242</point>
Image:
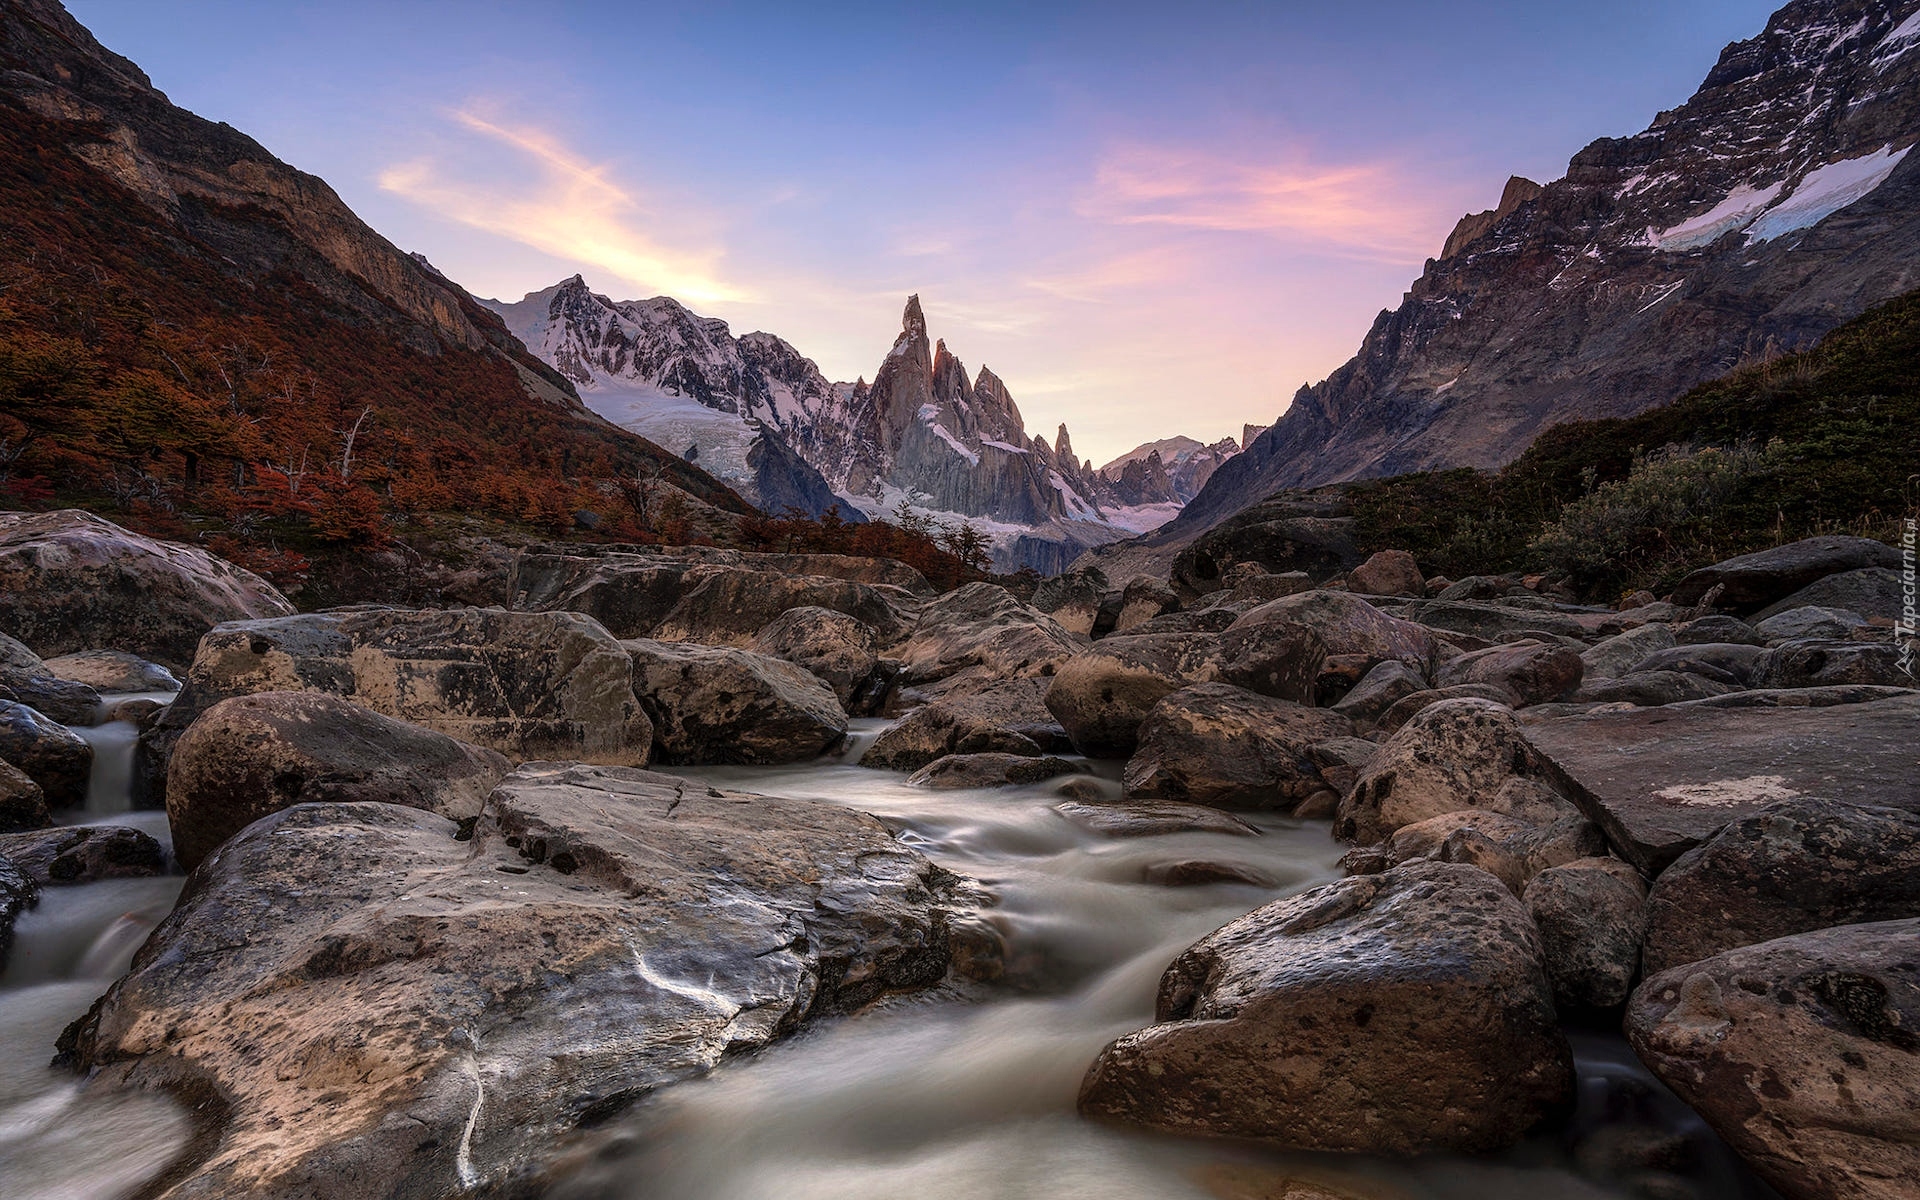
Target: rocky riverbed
<point>668,875</point>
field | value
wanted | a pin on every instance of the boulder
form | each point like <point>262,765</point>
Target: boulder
<point>1151,818</point>
<point>253,755</point>
<point>1791,867</point>
<point>1388,573</point>
<point>1533,673</point>
<point>1800,1053</point>
<point>1312,534</point>
<point>83,854</point>
<point>1723,662</point>
<point>46,752</point>
<point>716,704</point>
<point>1073,598</point>
<point>1716,629</point>
<point>1753,581</point>
<point>25,679</point>
<point>385,1009</point>
<point>983,625</point>
<point>72,581</point>
<point>1384,685</point>
<point>837,648</point>
<point>728,606</point>
<point>1004,718</point>
<point>1870,591</point>
<point>989,771</point>
<point>1813,697</point>
<point>23,803</point>
<point>1809,621</point>
<point>1144,599</point>
<point>1383,1014</point>
<point>114,671</point>
<point>629,594</point>
<point>18,893</point>
<point>1346,624</point>
<point>1620,653</point>
<point>1219,745</point>
<point>1591,914</point>
<point>1454,755</point>
<point>1513,849</point>
<point>1257,587</point>
<point>551,685</point>
<point>1192,620</point>
<point>1340,761</point>
<point>1402,710</point>
<point>1201,872</point>
<point>1647,688</point>
<point>1821,663</point>
<point>1502,622</point>
<point>1659,781</point>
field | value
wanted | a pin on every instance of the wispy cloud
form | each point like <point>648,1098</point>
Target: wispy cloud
<point>554,200</point>
<point>1364,209</point>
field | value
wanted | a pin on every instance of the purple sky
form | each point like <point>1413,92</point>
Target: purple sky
<point>1148,219</point>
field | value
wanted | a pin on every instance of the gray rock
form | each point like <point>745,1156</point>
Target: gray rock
<point>1219,745</point>
<point>1151,818</point>
<point>18,893</point>
<point>1144,599</point>
<point>1752,581</point>
<point>728,606</point>
<point>1723,662</point>
<point>1383,1014</point>
<point>999,718</point>
<point>83,854</point>
<point>1809,621</point>
<point>1791,867</point>
<point>1347,624</point>
<point>114,671</point>
<point>253,755</point>
<point>1650,688</point>
<point>1591,914</point>
<point>982,625</point>
<point>1813,697</point>
<point>1073,598</point>
<point>1494,622</point>
<point>1404,709</point>
<point>1618,654</point>
<point>385,1009</point>
<point>1659,781</point>
<point>1870,591</point>
<point>837,648</point>
<point>1531,672</point>
<point>1823,663</point>
<point>25,679</point>
<point>716,704</point>
<point>1800,1053</point>
<point>1383,686</point>
<point>23,804</point>
<point>1716,628</point>
<point>989,770</point>
<point>46,752</point>
<point>72,581</point>
<point>1388,573</point>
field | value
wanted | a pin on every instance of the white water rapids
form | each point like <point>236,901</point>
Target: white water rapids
<point>928,1098</point>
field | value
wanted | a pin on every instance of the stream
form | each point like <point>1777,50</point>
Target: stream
<point>936,1097</point>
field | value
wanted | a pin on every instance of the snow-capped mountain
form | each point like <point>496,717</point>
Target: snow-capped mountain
<point>1782,199</point>
<point>755,412</point>
<point>1183,463</point>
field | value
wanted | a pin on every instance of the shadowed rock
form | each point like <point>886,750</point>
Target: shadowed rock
<point>715,704</point>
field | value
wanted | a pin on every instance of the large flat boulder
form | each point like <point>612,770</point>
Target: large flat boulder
<point>1385,1014</point>
<point>1753,581</point>
<point>1800,1052</point>
<point>253,755</point>
<point>1869,591</point>
<point>72,581</point>
<point>530,685</point>
<point>716,704</point>
<point>1660,781</point>
<point>356,1001</point>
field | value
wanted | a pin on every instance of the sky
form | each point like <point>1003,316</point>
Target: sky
<point>1148,219</point>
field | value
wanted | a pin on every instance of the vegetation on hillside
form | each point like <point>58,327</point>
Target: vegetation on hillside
<point>1823,441</point>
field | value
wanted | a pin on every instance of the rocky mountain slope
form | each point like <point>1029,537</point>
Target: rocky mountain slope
<point>199,336</point>
<point>1778,202</point>
<point>761,416</point>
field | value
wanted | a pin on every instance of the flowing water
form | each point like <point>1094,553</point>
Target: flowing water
<point>936,1098</point>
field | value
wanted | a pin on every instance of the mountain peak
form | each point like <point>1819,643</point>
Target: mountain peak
<point>913,322</point>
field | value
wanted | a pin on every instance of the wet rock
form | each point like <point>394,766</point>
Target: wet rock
<point>550,685</point>
<point>1533,673</point>
<point>989,770</point>
<point>1622,652</point>
<point>1650,688</point>
<point>1800,1053</point>
<point>1870,592</point>
<point>24,679</point>
<point>1224,746</point>
<point>1722,662</point>
<point>1659,781</point>
<point>1384,685</point>
<point>1000,718</point>
<point>1388,573</point>
<point>47,752</point>
<point>114,671</point>
<point>1717,628</point>
<point>1591,914</point>
<point>1386,1014</point>
<point>83,854</point>
<point>1752,581</point>
<point>1816,663</point>
<point>1793,866</point>
<point>1144,599</point>
<point>23,804</point>
<point>982,625</point>
<point>139,712</point>
<point>18,893</point>
<point>1809,622</point>
<point>1151,818</point>
<point>716,704</point>
<point>1197,872</point>
<point>728,606</point>
<point>386,1009</point>
<point>1404,709</point>
<point>72,581</point>
<point>1454,755</point>
<point>837,648</point>
<point>253,755</point>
